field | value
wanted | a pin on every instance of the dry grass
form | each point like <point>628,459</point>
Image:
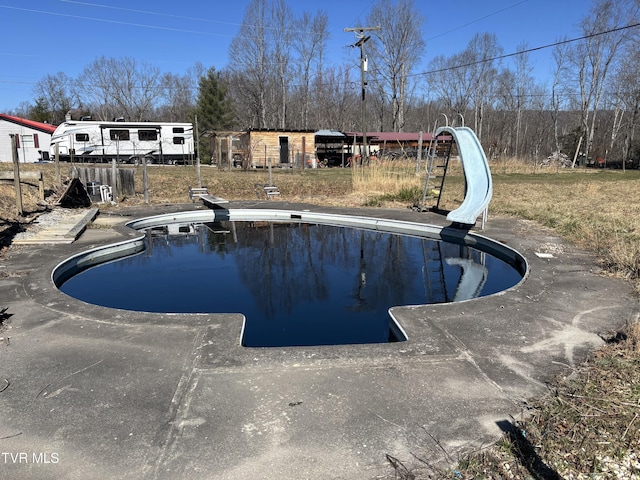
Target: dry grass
<point>380,178</point>
<point>597,210</point>
<point>309,185</point>
<point>511,165</point>
<point>586,427</point>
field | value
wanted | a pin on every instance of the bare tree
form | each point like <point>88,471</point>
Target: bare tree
<point>249,58</point>
<point>309,44</point>
<point>593,58</point>
<point>95,89</point>
<point>451,83</point>
<point>482,51</point>
<point>626,87</point>
<point>280,32</point>
<point>467,80</point>
<point>558,82</point>
<point>59,94</point>
<point>396,51</point>
<point>336,100</point>
<point>178,93</point>
<point>537,134</point>
<point>524,84</point>
<point>120,87</point>
<point>506,101</point>
<point>22,110</point>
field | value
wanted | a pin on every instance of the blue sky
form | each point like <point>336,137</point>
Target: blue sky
<point>43,37</point>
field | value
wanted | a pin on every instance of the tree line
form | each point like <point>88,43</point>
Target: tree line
<point>279,77</point>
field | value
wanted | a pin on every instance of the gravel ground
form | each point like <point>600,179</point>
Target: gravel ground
<point>46,219</point>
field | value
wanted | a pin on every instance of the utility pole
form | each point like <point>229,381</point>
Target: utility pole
<point>362,39</point>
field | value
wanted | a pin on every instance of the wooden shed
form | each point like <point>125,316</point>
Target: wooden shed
<point>283,148</point>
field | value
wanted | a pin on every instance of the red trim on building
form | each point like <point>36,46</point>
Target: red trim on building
<point>42,127</point>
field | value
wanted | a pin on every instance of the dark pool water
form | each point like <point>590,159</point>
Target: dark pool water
<point>296,284</point>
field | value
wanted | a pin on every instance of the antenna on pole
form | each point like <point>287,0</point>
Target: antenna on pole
<point>364,67</point>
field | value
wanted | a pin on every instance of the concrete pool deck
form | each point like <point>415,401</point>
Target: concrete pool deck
<point>88,392</point>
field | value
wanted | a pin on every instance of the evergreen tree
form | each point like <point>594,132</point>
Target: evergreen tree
<point>40,112</point>
<point>214,106</point>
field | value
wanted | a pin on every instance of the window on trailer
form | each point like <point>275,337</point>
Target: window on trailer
<point>178,130</point>
<point>82,137</point>
<point>119,134</point>
<point>147,135</point>
<point>178,140</point>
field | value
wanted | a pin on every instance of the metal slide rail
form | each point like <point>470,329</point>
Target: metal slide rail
<point>436,170</point>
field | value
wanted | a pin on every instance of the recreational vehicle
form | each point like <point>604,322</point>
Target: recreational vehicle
<point>126,142</point>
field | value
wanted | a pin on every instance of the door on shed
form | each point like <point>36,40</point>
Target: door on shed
<point>284,149</point>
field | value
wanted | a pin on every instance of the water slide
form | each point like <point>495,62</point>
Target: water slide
<point>476,173</point>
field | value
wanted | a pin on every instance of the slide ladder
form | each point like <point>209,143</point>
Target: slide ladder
<point>437,166</point>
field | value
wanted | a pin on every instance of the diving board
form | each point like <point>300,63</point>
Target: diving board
<point>476,173</point>
<point>212,201</point>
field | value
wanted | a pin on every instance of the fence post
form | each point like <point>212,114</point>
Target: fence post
<point>419,154</point>
<point>145,179</point>
<point>114,179</point>
<point>16,174</point>
<point>57,154</point>
<point>304,152</point>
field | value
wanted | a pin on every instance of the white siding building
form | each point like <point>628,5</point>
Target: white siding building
<point>33,139</point>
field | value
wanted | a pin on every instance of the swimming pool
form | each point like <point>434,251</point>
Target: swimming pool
<point>298,278</point>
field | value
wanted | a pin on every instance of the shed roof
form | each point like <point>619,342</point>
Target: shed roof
<point>394,136</point>
<point>281,130</point>
<point>330,133</point>
<point>42,127</point>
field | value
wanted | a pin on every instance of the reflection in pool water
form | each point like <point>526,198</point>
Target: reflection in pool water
<point>296,283</point>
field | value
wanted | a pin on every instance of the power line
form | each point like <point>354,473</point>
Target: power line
<point>364,10</point>
<point>528,50</point>
<point>475,21</point>
<point>148,12</point>
<point>430,72</point>
<point>182,17</point>
<point>117,22</point>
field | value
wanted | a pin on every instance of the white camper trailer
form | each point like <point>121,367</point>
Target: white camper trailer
<point>127,142</point>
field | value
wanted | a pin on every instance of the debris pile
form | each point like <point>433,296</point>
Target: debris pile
<point>557,158</point>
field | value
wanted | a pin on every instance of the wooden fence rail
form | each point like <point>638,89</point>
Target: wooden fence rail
<point>24,177</point>
<point>104,176</point>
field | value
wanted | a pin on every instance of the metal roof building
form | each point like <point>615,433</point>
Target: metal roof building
<point>33,139</point>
